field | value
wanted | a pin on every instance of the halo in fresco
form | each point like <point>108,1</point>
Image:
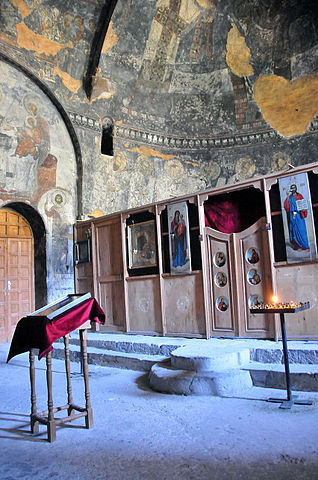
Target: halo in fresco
<point>174,168</point>
<point>58,198</point>
<point>280,161</point>
<point>145,165</point>
<point>32,104</point>
<point>120,161</point>
<point>245,167</point>
<point>210,170</point>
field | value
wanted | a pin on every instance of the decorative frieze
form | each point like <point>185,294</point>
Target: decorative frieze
<point>84,121</point>
<point>208,143</point>
<point>180,143</point>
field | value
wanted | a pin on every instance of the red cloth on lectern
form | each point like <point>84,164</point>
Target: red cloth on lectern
<point>40,332</point>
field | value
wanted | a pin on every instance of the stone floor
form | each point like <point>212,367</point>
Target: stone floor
<point>139,434</point>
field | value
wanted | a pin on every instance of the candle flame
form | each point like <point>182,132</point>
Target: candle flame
<point>275,299</point>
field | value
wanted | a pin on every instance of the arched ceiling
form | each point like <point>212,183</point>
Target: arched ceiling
<point>190,68</point>
<point>196,68</point>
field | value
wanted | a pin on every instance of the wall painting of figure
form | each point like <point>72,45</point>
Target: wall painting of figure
<point>179,244</point>
<point>297,214</point>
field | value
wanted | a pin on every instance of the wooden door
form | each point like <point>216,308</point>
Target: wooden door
<point>240,275</point>
<point>16,272</point>
<point>253,280</point>
<point>222,283</point>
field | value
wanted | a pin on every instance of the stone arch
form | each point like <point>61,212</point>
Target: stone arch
<point>41,166</point>
<point>39,235</point>
<point>66,120</point>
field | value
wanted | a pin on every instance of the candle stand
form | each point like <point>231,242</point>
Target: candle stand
<point>282,309</point>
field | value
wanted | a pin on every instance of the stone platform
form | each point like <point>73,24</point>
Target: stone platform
<point>215,366</point>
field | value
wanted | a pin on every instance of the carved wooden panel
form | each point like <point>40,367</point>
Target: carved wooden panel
<point>144,304</point>
<point>254,280</point>
<point>221,271</point>
<point>110,296</point>
<point>299,284</point>
<point>184,304</point>
<point>108,248</point>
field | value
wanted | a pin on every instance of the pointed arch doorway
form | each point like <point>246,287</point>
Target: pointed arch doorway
<point>16,271</point>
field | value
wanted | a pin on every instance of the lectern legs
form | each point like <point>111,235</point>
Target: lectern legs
<point>47,417</point>
<point>89,416</point>
<point>51,424</point>
<point>34,422</point>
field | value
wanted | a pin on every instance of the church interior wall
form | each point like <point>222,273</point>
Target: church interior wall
<point>38,170</point>
<point>202,94</point>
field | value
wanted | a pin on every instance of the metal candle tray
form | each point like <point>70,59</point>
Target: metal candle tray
<point>303,306</point>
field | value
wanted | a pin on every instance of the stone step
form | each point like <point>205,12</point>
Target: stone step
<point>198,366</point>
<point>301,353</point>
<point>109,358</point>
<point>227,382</point>
<point>147,345</point>
<point>302,377</point>
<point>234,381</point>
<point>202,357</point>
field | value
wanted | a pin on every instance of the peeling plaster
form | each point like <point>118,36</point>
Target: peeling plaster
<point>24,10</point>
<point>33,41</point>
<point>100,87</point>
<point>238,54</point>
<point>96,213</point>
<point>71,83</point>
<point>110,40</point>
<point>287,106</point>
<point>144,150</point>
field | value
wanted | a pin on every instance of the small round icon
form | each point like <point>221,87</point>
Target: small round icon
<point>255,300</point>
<point>254,276</point>
<point>252,255</point>
<point>220,279</point>
<point>219,259</point>
<point>222,304</point>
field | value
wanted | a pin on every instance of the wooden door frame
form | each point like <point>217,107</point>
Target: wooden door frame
<point>17,233</point>
<point>36,223</point>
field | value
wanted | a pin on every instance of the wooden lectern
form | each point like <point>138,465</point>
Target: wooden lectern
<point>39,330</point>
